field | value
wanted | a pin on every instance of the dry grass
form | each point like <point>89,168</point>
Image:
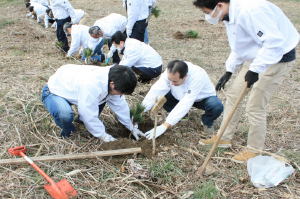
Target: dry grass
<point>28,53</point>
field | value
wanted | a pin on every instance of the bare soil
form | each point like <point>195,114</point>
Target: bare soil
<point>29,57</point>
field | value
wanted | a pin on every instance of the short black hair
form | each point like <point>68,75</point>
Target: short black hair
<point>178,66</point>
<point>118,36</point>
<point>211,4</point>
<point>123,78</point>
<point>31,8</point>
<point>27,5</point>
<point>48,11</point>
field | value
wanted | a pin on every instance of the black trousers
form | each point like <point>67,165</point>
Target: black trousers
<point>138,30</point>
<point>60,34</point>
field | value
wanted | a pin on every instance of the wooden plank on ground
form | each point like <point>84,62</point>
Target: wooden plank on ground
<point>73,156</point>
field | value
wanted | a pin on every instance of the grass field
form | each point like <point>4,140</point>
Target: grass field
<point>29,55</point>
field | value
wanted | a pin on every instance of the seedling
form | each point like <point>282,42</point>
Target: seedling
<point>59,44</point>
<point>136,114</point>
<point>192,34</point>
<point>155,11</point>
<point>87,53</point>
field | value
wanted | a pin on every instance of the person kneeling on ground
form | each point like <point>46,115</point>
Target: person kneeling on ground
<point>90,88</point>
<point>80,37</point>
<point>104,28</point>
<point>261,34</point>
<point>184,85</point>
<point>38,9</point>
<point>143,59</point>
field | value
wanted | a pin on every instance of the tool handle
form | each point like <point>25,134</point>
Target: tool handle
<point>37,168</point>
<point>222,130</point>
<point>107,60</point>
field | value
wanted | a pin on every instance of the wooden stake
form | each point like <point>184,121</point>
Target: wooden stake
<point>73,156</point>
<point>202,168</point>
<point>155,124</point>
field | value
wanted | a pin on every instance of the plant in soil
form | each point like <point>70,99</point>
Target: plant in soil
<point>192,34</point>
<point>59,44</point>
<point>136,114</point>
<point>155,11</point>
<point>87,53</point>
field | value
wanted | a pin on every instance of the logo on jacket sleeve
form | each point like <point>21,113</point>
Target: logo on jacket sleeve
<point>259,33</point>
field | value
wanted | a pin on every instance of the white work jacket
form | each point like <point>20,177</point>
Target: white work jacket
<point>151,3</point>
<point>136,10</point>
<point>38,8</point>
<point>196,87</point>
<point>258,32</point>
<point>80,37</point>
<point>78,16</point>
<point>139,54</point>
<point>87,87</point>
<point>109,25</point>
<point>42,2</point>
<point>46,20</point>
<point>62,9</point>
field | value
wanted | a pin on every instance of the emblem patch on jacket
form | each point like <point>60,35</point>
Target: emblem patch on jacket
<point>260,34</point>
<point>189,91</point>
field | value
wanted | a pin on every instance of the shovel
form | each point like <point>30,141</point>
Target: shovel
<point>60,190</point>
<point>202,168</point>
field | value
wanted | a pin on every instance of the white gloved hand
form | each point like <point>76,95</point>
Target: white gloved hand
<point>46,26</point>
<point>68,56</point>
<point>128,32</point>
<point>159,131</point>
<point>32,17</point>
<point>136,132</point>
<point>107,138</point>
<point>109,54</point>
<point>124,4</point>
<point>81,51</point>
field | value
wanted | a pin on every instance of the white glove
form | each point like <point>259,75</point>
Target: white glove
<point>32,17</point>
<point>46,26</point>
<point>109,54</point>
<point>136,132</point>
<point>107,138</point>
<point>128,32</point>
<point>68,56</point>
<point>124,4</point>
<point>159,131</point>
<point>29,15</point>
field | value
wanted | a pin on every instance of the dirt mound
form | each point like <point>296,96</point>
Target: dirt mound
<point>179,35</point>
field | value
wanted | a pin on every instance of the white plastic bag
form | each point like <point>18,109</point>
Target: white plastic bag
<point>266,172</point>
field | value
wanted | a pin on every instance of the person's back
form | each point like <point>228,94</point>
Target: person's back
<point>110,24</point>
<point>83,32</point>
<point>139,54</point>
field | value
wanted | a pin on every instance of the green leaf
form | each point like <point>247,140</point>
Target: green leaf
<point>192,34</point>
<point>155,11</point>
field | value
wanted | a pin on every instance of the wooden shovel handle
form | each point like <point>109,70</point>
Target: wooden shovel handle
<point>201,170</point>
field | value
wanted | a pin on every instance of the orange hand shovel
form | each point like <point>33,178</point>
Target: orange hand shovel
<point>60,190</point>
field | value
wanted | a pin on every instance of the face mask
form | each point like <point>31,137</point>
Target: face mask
<point>119,49</point>
<point>212,20</point>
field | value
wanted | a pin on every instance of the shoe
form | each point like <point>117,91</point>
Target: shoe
<point>208,129</point>
<point>244,156</point>
<point>76,119</point>
<point>222,143</point>
<point>103,57</point>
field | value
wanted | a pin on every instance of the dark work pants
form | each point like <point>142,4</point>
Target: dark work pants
<point>212,106</point>
<point>138,30</point>
<point>61,35</point>
<point>146,74</point>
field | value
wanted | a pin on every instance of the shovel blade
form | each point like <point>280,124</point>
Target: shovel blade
<point>61,190</point>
